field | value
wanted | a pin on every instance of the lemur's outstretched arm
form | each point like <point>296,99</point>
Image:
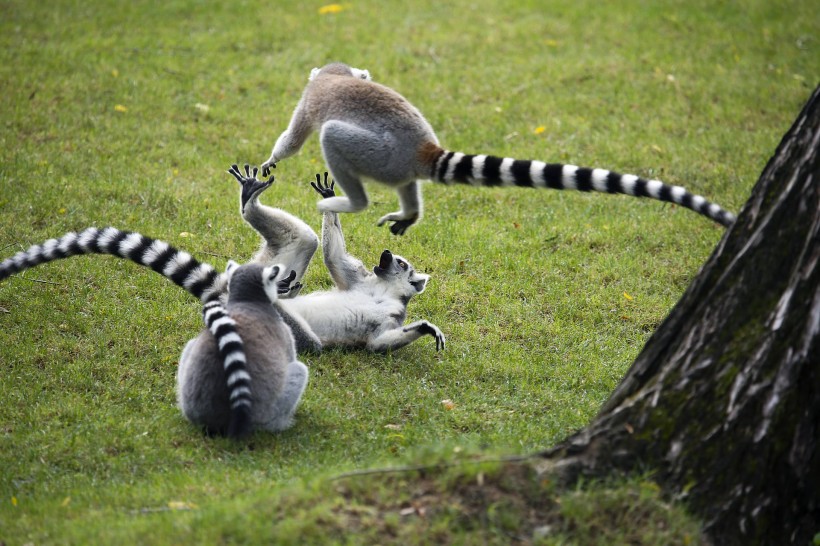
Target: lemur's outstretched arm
<point>397,338</point>
<point>286,238</point>
<point>291,140</point>
<point>344,268</point>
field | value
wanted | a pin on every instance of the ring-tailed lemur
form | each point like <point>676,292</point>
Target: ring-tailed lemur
<point>366,309</point>
<point>223,330</point>
<point>368,130</point>
<point>215,390</point>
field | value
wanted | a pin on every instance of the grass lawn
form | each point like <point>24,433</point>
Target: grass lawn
<point>128,114</point>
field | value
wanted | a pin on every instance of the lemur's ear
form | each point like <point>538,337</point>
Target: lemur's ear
<point>313,74</point>
<point>419,281</point>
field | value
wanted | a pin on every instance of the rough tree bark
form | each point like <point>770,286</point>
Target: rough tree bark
<point>723,403</point>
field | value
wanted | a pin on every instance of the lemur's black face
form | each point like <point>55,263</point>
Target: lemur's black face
<point>398,271</point>
<point>385,261</point>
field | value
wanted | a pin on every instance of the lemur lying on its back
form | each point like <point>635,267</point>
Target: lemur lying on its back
<point>368,130</point>
<point>241,372</point>
<point>366,309</point>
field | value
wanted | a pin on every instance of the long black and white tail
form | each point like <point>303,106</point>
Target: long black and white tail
<point>199,279</point>
<point>487,170</point>
<point>232,352</point>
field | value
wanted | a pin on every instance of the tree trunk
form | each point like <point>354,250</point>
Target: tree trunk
<point>723,403</point>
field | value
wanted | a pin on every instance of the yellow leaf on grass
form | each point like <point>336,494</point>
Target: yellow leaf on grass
<point>448,404</point>
<point>120,108</point>
<point>628,297</point>
<point>331,8</point>
<point>540,129</point>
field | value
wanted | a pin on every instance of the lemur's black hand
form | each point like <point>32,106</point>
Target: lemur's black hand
<point>283,286</point>
<point>234,170</point>
<point>324,189</point>
<point>251,187</point>
<point>295,288</point>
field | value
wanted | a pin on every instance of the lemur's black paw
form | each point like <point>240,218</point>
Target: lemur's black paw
<point>283,286</point>
<point>266,169</point>
<point>324,189</point>
<point>295,289</point>
<point>432,330</point>
<point>251,187</point>
<point>400,226</point>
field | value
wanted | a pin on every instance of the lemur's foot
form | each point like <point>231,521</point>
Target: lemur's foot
<point>324,189</point>
<point>400,222</point>
<point>251,187</point>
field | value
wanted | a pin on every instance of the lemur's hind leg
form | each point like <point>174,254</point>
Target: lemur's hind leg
<point>351,153</point>
<point>286,239</point>
<point>342,146</point>
<point>410,213</point>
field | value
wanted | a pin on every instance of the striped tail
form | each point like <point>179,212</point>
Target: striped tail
<point>487,170</point>
<point>232,352</point>
<point>200,279</point>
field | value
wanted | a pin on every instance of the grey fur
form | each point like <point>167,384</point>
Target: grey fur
<point>369,131</point>
<point>277,378</point>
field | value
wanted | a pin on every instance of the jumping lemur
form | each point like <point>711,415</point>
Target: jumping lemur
<point>241,370</point>
<point>368,130</point>
<point>366,309</point>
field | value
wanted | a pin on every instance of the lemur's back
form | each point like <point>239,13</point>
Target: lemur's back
<point>268,348</point>
<point>367,104</point>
